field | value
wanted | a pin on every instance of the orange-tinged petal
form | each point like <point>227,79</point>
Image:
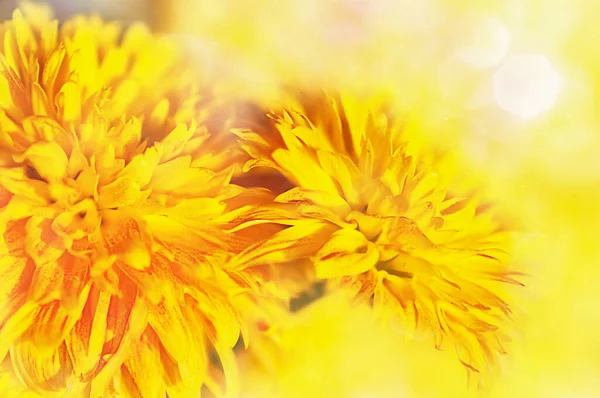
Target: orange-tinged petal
<point>11,387</point>
<point>345,173</point>
<point>197,209</point>
<point>164,172</point>
<point>51,323</point>
<point>257,141</point>
<point>211,240</point>
<point>105,162</point>
<point>87,182</point>
<point>194,182</point>
<point>141,373</point>
<point>348,252</point>
<point>55,66</point>
<point>190,179</point>
<point>11,52</point>
<point>127,137</point>
<point>357,114</point>
<point>174,143</point>
<point>120,311</point>
<point>75,281</point>
<point>141,167</point>
<point>159,113</point>
<point>230,371</point>
<point>248,216</point>
<point>224,319</point>
<point>321,198</point>
<point>137,255</point>
<point>133,326</point>
<point>186,378</point>
<point>42,244</point>
<point>39,372</point>
<point>166,319</point>
<point>292,243</point>
<point>68,102</point>
<point>15,273</point>
<point>15,326</point>
<point>48,159</point>
<point>47,282</point>
<point>122,192</point>
<point>306,173</point>
<point>46,129</point>
<point>87,337</point>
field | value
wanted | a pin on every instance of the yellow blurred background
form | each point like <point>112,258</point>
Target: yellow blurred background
<point>510,89</point>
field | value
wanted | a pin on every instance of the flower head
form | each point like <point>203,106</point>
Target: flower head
<point>115,207</point>
<point>375,217</point>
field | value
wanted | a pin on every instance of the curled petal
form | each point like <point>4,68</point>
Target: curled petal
<point>348,252</point>
<point>38,371</point>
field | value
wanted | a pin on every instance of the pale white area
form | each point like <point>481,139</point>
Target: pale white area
<point>484,43</point>
<point>527,85</point>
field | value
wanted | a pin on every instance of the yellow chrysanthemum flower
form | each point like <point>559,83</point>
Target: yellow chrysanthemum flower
<point>116,214</point>
<point>375,218</point>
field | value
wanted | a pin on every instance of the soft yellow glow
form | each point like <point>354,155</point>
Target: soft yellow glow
<point>486,43</point>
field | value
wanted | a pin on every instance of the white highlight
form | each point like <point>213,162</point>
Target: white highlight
<point>527,85</point>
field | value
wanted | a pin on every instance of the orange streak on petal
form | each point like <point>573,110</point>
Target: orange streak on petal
<point>167,321</point>
<point>112,361</point>
<point>144,368</point>
<point>42,373</point>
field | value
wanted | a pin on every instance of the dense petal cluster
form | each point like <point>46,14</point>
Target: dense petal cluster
<point>116,214</point>
<point>377,219</point>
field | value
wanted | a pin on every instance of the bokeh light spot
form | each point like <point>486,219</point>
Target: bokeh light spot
<point>527,85</point>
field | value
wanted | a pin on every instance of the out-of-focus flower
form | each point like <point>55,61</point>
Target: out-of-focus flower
<point>329,349</point>
<point>114,201</point>
<point>375,216</point>
<point>335,348</point>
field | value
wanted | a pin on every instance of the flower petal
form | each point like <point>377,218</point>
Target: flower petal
<point>124,191</point>
<point>86,339</point>
<point>348,252</point>
<point>15,274</point>
<point>40,372</point>
<point>298,241</point>
<point>185,379</point>
<point>345,172</point>
<point>126,323</point>
<point>166,319</point>
<point>305,171</point>
<point>42,244</point>
<point>141,375</point>
<point>15,326</point>
<point>141,168</point>
<point>49,160</point>
<point>305,196</point>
